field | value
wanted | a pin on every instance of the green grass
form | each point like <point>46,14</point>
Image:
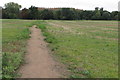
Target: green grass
<point>89,49</point>
<point>15,34</point>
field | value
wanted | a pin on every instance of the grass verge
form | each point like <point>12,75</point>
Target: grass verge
<point>14,40</point>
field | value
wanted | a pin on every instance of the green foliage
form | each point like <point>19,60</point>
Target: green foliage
<point>24,14</point>
<point>114,15</point>
<point>33,12</point>
<point>65,13</point>
<point>97,15</point>
<point>46,14</point>
<point>106,16</point>
<point>86,15</point>
<point>57,14</point>
<point>12,10</point>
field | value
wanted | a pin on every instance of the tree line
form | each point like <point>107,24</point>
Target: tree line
<point>12,11</point>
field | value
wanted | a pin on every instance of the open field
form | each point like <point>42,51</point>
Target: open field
<point>87,48</point>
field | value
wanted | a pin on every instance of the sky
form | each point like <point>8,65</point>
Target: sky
<point>110,5</point>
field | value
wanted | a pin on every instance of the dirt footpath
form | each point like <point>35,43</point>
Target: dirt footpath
<point>38,62</point>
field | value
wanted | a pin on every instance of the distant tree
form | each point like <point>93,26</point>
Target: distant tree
<point>46,14</point>
<point>33,12</point>
<point>73,14</point>
<point>118,16</point>
<point>65,13</point>
<point>114,15</point>
<point>106,16</point>
<point>24,14</point>
<point>96,8</point>
<point>97,14</point>
<point>80,14</point>
<point>87,15</point>
<point>4,15</point>
<point>101,11</point>
<point>57,14</point>
<point>12,10</point>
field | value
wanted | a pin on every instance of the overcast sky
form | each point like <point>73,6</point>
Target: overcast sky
<point>110,5</point>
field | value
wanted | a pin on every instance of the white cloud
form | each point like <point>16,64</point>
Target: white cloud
<point>110,5</point>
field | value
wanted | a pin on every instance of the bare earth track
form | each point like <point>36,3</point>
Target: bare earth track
<point>39,63</point>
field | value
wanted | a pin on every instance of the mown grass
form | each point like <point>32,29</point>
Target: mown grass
<point>87,48</point>
<point>14,36</point>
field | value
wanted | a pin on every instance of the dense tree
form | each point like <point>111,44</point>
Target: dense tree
<point>80,14</point>
<point>96,8</point>
<point>46,14</point>
<point>87,15</point>
<point>33,12</point>
<point>24,14</point>
<point>114,15</point>
<point>101,11</point>
<point>57,14</point>
<point>4,15</point>
<point>12,10</point>
<point>106,16</point>
<point>97,14</point>
<point>118,16</point>
<point>73,15</point>
<point>65,13</point>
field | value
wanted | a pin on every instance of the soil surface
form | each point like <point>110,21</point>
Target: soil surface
<point>38,62</point>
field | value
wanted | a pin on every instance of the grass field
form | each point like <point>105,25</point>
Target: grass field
<point>15,33</point>
<point>87,48</point>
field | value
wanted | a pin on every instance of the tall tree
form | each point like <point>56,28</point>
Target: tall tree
<point>24,14</point>
<point>65,13</point>
<point>47,14</point>
<point>106,16</point>
<point>101,11</point>
<point>33,12</point>
<point>114,15</point>
<point>12,10</point>
<point>57,14</point>
<point>87,15</point>
<point>97,14</point>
